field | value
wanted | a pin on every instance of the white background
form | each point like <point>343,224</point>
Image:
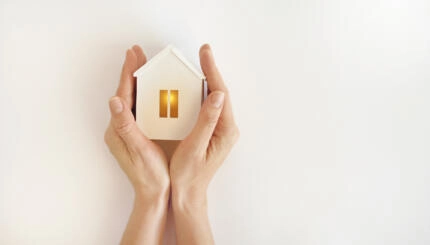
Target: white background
<point>332,99</point>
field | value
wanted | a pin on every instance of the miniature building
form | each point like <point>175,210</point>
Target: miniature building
<point>169,96</point>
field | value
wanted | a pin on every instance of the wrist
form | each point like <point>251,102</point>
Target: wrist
<point>153,199</point>
<point>191,199</point>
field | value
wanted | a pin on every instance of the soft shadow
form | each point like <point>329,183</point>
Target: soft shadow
<point>168,146</point>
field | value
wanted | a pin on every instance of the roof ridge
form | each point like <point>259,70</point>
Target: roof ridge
<point>162,53</point>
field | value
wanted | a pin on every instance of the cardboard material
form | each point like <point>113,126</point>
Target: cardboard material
<point>169,96</point>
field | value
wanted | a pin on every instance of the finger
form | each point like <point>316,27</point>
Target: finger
<point>127,82</point>
<point>207,121</point>
<point>141,58</point>
<point>213,76</point>
<point>215,82</point>
<point>124,124</point>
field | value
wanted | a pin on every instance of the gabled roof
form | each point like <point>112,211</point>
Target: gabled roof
<point>170,49</point>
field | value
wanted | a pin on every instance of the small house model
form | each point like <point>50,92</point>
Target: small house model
<point>169,95</point>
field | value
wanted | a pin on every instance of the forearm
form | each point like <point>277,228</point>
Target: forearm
<point>147,221</point>
<point>191,219</point>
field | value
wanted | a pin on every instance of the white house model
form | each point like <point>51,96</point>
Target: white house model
<point>169,96</point>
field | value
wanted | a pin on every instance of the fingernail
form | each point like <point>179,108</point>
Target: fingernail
<point>217,99</point>
<point>115,105</point>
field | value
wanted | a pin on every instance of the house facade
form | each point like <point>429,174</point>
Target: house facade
<point>169,96</point>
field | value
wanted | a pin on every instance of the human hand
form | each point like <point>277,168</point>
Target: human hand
<point>198,156</point>
<point>143,161</point>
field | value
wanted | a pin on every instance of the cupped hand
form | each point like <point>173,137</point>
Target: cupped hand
<point>143,161</point>
<point>199,155</point>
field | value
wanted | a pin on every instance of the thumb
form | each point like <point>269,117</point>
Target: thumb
<point>124,124</point>
<point>207,121</point>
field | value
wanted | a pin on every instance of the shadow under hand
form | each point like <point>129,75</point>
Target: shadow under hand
<point>168,146</point>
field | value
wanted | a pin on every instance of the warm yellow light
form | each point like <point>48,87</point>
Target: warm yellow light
<point>168,103</point>
<point>164,101</point>
<point>174,103</point>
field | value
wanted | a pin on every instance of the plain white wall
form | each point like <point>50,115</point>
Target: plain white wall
<point>332,99</point>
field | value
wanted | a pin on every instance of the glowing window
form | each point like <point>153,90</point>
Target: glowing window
<point>169,100</point>
<point>164,97</point>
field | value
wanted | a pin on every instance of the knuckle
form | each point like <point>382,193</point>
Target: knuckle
<point>110,143</point>
<point>124,127</point>
<point>196,155</point>
<point>210,118</point>
<point>108,136</point>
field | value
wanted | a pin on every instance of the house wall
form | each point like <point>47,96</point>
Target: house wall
<point>331,97</point>
<point>168,74</point>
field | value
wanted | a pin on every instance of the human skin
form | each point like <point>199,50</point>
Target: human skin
<point>143,161</point>
<point>192,166</point>
<point>199,155</point>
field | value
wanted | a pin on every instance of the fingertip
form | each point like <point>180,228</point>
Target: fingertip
<point>129,55</point>
<point>130,60</point>
<point>141,58</point>
<point>205,46</point>
<point>206,59</point>
<point>115,105</point>
<point>136,50</point>
<point>204,49</point>
<point>136,47</point>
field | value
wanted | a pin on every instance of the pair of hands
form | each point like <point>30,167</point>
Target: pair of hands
<point>191,167</point>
